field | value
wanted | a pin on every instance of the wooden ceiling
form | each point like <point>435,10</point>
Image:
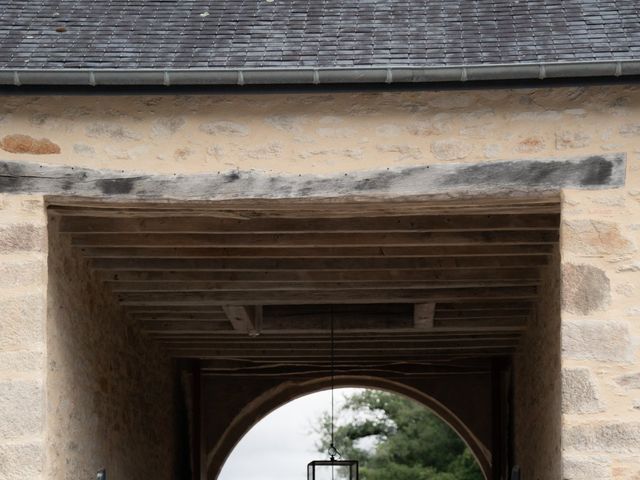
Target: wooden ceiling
<point>245,286</point>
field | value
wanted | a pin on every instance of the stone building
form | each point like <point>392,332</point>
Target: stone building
<point>192,192</point>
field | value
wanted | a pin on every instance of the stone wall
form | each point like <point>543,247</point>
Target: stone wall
<point>110,389</point>
<point>600,332</point>
<point>537,389</point>
<point>318,133</point>
<point>23,285</point>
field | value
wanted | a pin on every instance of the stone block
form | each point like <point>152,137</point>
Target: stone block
<point>22,237</point>
<point>18,143</point>
<point>20,362</point>
<point>585,289</point>
<point>227,129</point>
<point>591,238</point>
<point>601,340</point>
<point>21,408</point>
<point>630,381</point>
<point>24,461</point>
<point>22,321</point>
<point>613,437</point>
<point>578,468</point>
<point>570,139</point>
<point>579,391</point>
<point>450,149</point>
<point>20,272</point>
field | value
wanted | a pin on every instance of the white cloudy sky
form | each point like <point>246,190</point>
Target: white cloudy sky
<point>280,446</point>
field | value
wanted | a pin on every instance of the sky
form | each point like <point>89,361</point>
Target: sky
<point>280,446</point>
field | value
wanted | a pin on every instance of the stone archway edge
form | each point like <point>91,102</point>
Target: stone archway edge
<point>286,392</point>
<point>485,178</point>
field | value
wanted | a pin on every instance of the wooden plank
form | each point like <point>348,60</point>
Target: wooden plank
<point>250,264</point>
<point>479,313</point>
<point>490,178</point>
<point>245,319</point>
<point>423,315</point>
<point>208,317</point>
<point>307,286</point>
<point>317,252</point>
<point>172,327</point>
<point>471,323</point>
<point>286,240</point>
<point>327,296</point>
<point>408,223</point>
<point>301,276</point>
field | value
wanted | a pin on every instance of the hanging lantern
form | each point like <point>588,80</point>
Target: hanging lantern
<point>333,469</point>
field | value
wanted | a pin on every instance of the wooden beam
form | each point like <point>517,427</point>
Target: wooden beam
<point>255,264</point>
<point>318,252</point>
<point>327,296</point>
<point>308,286</point>
<point>301,276</point>
<point>423,314</point>
<point>286,240</point>
<point>408,223</point>
<point>245,319</point>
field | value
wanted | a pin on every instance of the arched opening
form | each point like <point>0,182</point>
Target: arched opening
<point>287,392</point>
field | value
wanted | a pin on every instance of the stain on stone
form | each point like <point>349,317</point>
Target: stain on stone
<point>592,171</point>
<point>598,171</point>
<point>232,177</point>
<point>116,186</point>
<point>18,143</point>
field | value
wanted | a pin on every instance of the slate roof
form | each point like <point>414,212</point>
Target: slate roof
<point>187,34</point>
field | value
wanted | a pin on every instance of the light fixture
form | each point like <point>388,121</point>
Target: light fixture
<point>335,467</point>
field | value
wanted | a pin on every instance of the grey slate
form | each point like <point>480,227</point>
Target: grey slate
<point>168,34</point>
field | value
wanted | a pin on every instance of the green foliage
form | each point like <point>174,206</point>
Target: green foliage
<point>395,438</point>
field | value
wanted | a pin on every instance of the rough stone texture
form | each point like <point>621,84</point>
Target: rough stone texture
<point>613,436</point>
<point>579,391</point>
<point>538,389</point>
<point>601,340</point>
<point>595,238</point>
<point>22,237</point>
<point>21,320</point>
<point>16,398</point>
<point>579,468</point>
<point>21,461</point>
<point>18,143</point>
<point>225,129</point>
<point>585,289</point>
<point>109,388</point>
<point>450,149</point>
<point>631,381</point>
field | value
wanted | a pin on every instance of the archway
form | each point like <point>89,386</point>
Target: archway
<point>285,392</point>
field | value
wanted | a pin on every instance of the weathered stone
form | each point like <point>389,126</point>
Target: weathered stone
<point>20,361</point>
<point>450,149</point>
<point>286,123</point>
<point>585,289</point>
<point>615,437</point>
<point>631,381</point>
<point>448,101</point>
<point>166,126</point>
<point>403,152</point>
<point>570,139</point>
<point>111,130</point>
<point>388,130</point>
<point>530,145</point>
<point>331,132</point>
<point>577,468</point>
<point>22,321</point>
<point>19,143</point>
<point>595,238</point>
<point>579,391</point>
<point>605,341</point>
<point>21,461</point>
<point>17,398</point>
<point>16,271</point>
<point>630,130</point>
<point>227,129</point>
<point>84,150</point>
<point>22,237</point>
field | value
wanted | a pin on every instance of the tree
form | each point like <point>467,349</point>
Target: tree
<point>395,438</point>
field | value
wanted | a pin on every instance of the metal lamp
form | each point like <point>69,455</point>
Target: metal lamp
<point>333,469</point>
